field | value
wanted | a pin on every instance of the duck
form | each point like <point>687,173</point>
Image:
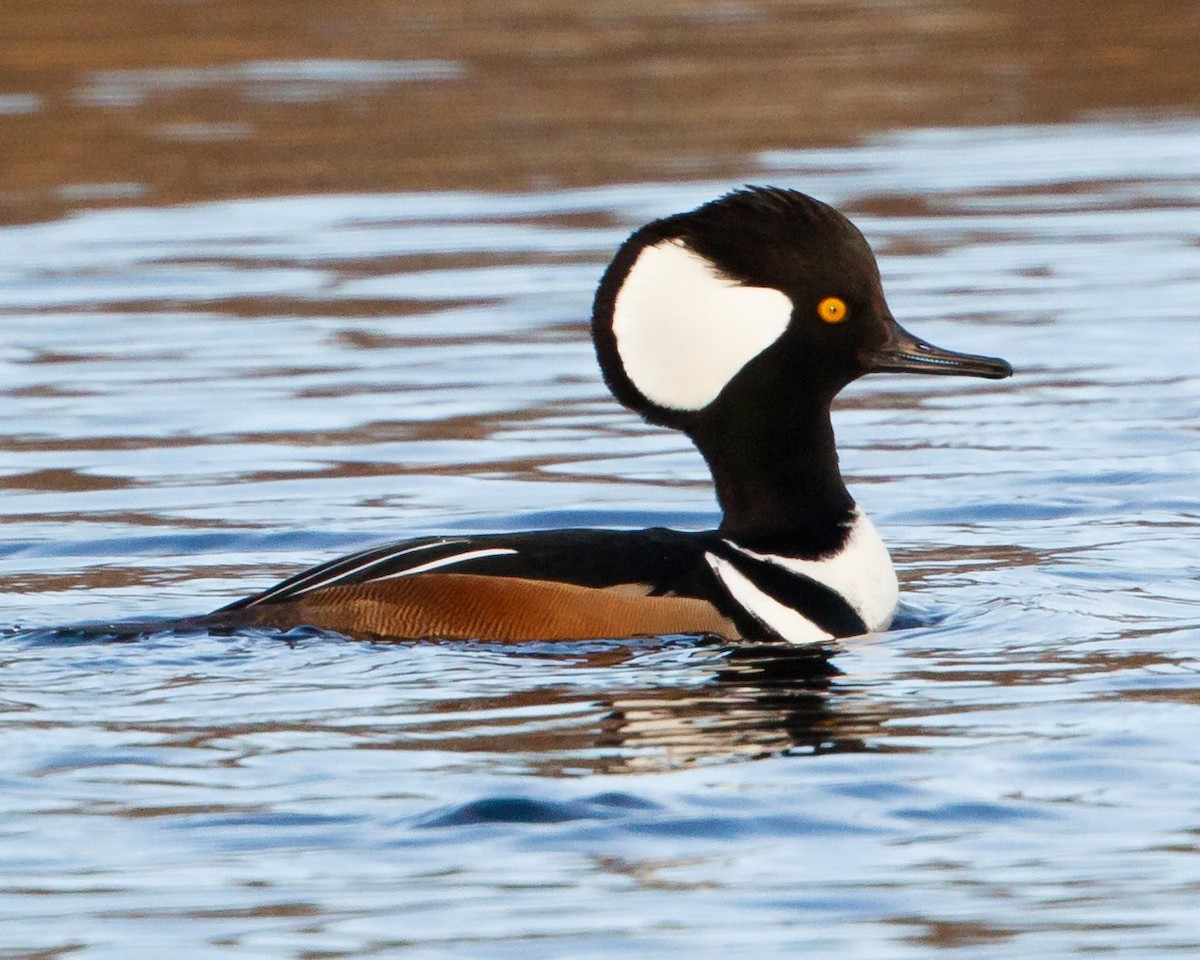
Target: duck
<point>736,323</point>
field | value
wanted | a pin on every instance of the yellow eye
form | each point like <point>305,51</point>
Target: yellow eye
<point>833,310</point>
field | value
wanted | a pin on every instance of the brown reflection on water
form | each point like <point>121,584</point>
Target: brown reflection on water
<point>150,101</point>
<point>759,700</point>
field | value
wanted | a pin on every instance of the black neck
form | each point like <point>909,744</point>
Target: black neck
<point>777,478</point>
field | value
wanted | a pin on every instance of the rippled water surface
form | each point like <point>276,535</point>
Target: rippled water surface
<point>199,399</point>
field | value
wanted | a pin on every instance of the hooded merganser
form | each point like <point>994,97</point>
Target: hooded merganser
<point>737,323</point>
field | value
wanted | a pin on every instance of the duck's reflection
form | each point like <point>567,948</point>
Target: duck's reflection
<point>727,703</point>
<point>550,709</point>
<point>756,702</point>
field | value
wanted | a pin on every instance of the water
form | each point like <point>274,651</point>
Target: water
<point>198,399</point>
<point>202,397</point>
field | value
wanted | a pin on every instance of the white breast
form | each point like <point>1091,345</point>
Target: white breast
<point>861,572</point>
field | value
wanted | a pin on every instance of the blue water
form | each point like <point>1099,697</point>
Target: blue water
<point>200,399</point>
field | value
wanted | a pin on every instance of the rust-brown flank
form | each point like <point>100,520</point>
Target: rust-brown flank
<point>459,606</point>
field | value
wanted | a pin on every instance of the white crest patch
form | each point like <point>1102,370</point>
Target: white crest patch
<point>861,571</point>
<point>683,331</point>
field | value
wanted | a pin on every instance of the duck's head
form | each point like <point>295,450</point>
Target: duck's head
<point>762,301</point>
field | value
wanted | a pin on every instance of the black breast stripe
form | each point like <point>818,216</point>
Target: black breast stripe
<point>823,605</point>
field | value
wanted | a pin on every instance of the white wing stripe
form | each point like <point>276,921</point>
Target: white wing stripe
<point>329,580</point>
<point>446,561</point>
